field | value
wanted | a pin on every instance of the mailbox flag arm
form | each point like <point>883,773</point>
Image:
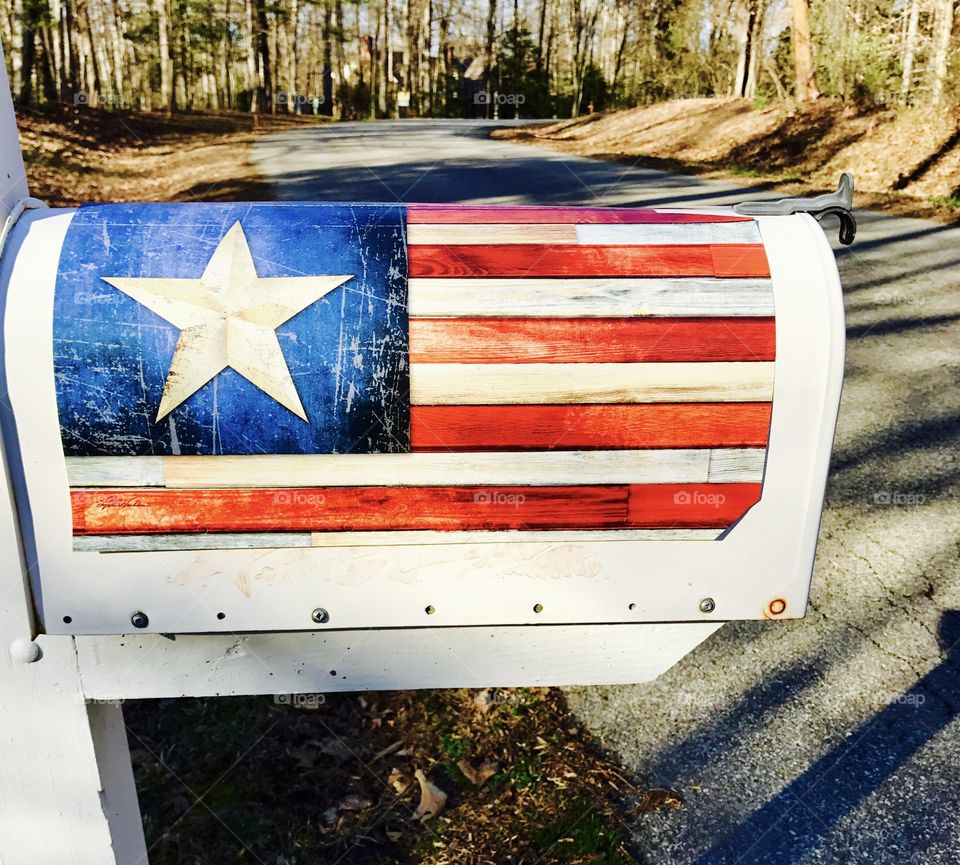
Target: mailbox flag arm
<point>839,204</point>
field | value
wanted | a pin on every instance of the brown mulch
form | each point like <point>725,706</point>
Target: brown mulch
<point>76,154</point>
<point>455,776</point>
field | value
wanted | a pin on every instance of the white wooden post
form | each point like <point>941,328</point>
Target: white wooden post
<point>66,785</point>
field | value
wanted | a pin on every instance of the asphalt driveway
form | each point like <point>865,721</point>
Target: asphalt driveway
<point>833,739</point>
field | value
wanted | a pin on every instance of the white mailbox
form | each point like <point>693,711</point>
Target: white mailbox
<point>281,417</point>
<point>248,445</point>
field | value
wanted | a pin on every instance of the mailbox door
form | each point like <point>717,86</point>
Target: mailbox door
<point>282,417</point>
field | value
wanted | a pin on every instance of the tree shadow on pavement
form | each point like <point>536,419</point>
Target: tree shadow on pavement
<point>808,809</point>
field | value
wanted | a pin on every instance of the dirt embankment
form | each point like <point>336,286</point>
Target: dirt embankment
<point>77,154</point>
<point>904,160</point>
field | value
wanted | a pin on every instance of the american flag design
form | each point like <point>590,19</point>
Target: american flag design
<point>272,375</point>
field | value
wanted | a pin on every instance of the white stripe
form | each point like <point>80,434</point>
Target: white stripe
<point>218,541</point>
<point>572,298</point>
<point>453,234</point>
<point>280,540</point>
<point>115,471</point>
<point>487,469</point>
<point>678,233</point>
<point>736,465</point>
<point>569,383</point>
<point>349,539</point>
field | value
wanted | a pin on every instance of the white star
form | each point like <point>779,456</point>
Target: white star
<point>228,318</point>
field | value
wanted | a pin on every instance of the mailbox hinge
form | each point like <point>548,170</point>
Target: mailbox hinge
<point>839,204</point>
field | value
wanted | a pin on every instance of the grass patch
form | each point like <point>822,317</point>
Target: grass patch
<point>950,201</point>
<point>580,835</point>
<point>744,171</point>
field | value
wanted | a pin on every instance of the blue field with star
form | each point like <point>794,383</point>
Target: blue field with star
<point>346,353</point>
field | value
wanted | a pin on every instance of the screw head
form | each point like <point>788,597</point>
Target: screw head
<point>707,605</point>
<point>538,608</point>
<point>139,620</point>
<point>320,616</point>
<point>25,651</point>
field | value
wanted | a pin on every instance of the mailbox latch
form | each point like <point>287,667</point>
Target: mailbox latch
<point>839,204</point>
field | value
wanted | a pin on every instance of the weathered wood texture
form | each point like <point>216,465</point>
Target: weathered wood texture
<point>518,215</point>
<point>606,340</point>
<point>571,427</point>
<point>689,465</point>
<point>611,506</point>
<point>290,540</point>
<point>589,298</point>
<point>582,365</point>
<point>532,383</point>
<point>538,259</point>
<point>503,233</point>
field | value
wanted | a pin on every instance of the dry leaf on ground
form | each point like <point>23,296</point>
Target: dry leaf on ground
<point>399,781</point>
<point>432,798</point>
<point>477,776</point>
<point>657,798</point>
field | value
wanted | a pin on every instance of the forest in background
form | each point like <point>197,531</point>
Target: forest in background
<point>352,59</point>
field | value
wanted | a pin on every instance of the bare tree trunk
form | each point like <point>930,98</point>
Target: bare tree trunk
<point>226,62</point>
<point>431,60</point>
<point>803,52</point>
<point>252,57</point>
<point>28,59</point>
<point>118,44</point>
<point>166,62</point>
<point>386,61</point>
<point>488,52</point>
<point>327,73</point>
<point>584,28</point>
<point>47,65</point>
<point>262,92</point>
<point>621,47</point>
<point>70,62</point>
<point>378,98</point>
<point>293,49</point>
<point>91,82</point>
<point>940,51</point>
<point>336,109</point>
<point>540,33</point>
<point>755,35</point>
<point>910,49</point>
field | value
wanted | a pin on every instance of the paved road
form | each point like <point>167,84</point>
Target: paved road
<point>830,740</point>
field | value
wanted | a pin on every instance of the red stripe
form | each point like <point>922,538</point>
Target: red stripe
<point>588,427</point>
<point>690,506</point>
<point>540,259</point>
<point>410,508</point>
<point>441,213</point>
<point>598,340</point>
